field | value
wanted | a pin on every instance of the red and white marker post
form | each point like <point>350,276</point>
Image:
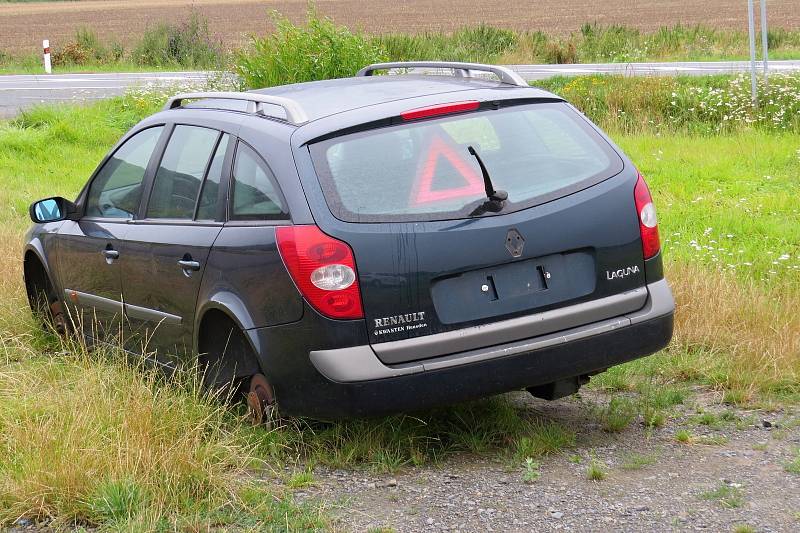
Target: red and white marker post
<point>48,68</point>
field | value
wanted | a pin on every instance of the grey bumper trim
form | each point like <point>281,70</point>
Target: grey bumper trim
<point>524,327</point>
<point>359,363</point>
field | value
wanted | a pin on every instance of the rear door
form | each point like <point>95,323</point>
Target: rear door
<point>167,249</point>
<point>91,258</point>
<point>434,257</point>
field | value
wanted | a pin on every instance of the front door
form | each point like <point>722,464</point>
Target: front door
<point>166,251</point>
<point>90,264</point>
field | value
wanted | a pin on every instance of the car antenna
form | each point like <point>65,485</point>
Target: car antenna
<point>491,193</point>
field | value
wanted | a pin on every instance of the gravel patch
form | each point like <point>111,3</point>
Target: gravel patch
<point>731,473</point>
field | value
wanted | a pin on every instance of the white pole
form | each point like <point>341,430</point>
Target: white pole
<point>764,37</point>
<point>752,24</point>
<point>46,47</point>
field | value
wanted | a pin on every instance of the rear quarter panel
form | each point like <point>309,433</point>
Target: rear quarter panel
<point>245,277</point>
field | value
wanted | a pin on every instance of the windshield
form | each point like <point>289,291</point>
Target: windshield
<point>424,171</point>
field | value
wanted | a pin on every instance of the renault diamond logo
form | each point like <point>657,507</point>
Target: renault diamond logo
<point>514,243</point>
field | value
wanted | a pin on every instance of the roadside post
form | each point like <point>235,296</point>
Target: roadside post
<point>752,24</point>
<point>46,48</point>
<point>764,39</point>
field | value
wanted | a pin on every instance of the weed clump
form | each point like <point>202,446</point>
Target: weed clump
<point>187,45</point>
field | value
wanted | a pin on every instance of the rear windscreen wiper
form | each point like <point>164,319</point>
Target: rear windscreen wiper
<point>496,198</point>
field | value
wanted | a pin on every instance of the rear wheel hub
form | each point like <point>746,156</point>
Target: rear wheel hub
<point>261,401</point>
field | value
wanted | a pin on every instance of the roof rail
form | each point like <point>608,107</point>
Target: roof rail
<point>505,74</point>
<point>294,112</point>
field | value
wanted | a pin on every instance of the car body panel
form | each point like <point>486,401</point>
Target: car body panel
<point>271,297</point>
<point>84,268</point>
<point>164,320</point>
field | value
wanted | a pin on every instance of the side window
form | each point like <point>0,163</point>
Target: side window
<point>207,207</point>
<point>255,193</point>
<point>116,190</point>
<point>180,174</point>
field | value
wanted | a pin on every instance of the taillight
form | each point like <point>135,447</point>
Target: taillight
<point>648,224</point>
<point>440,109</point>
<point>323,269</point>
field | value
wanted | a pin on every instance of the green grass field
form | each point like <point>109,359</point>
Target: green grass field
<point>152,454</point>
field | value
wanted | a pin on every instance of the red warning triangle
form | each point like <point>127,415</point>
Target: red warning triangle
<point>423,191</point>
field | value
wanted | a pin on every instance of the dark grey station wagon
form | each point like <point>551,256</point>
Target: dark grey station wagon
<point>364,245</point>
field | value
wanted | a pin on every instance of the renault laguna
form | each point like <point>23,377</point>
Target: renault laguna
<point>362,246</point>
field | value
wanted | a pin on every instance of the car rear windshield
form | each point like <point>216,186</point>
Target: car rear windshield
<point>424,171</point>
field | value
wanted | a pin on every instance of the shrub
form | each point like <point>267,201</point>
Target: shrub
<point>83,49</point>
<point>71,54</point>
<point>188,45</point>
<point>560,53</point>
<point>317,51</point>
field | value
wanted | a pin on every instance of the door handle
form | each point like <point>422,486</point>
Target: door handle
<point>189,265</point>
<point>110,255</point>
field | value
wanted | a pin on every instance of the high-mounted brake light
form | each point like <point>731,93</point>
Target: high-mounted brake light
<point>323,269</point>
<point>648,224</point>
<point>440,109</point>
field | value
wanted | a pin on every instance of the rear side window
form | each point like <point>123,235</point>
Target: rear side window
<point>116,190</point>
<point>424,171</point>
<point>207,206</point>
<point>255,192</point>
<point>180,174</point>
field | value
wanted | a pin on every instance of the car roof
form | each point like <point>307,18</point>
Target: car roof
<point>329,97</point>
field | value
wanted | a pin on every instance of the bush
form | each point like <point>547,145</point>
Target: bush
<point>71,54</point>
<point>85,48</point>
<point>560,53</point>
<point>317,51</point>
<point>188,45</point>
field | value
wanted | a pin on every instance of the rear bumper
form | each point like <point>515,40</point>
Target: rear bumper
<point>360,363</point>
<point>352,382</point>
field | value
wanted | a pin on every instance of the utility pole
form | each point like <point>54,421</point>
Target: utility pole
<point>752,28</point>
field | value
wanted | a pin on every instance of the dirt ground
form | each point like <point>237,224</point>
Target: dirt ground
<point>24,25</point>
<point>729,475</point>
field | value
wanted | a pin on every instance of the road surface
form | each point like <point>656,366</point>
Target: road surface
<point>20,91</point>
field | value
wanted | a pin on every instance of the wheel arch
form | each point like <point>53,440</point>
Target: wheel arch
<point>36,272</point>
<point>231,306</point>
<point>219,313</point>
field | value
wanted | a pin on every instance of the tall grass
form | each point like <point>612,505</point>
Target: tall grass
<point>187,45</point>
<point>481,43</point>
<point>709,104</point>
<point>92,441</point>
<point>89,438</point>
<point>592,43</point>
<point>733,334</point>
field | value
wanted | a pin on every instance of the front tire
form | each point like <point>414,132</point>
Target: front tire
<point>47,308</point>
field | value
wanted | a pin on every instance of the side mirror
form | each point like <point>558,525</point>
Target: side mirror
<point>53,210</point>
